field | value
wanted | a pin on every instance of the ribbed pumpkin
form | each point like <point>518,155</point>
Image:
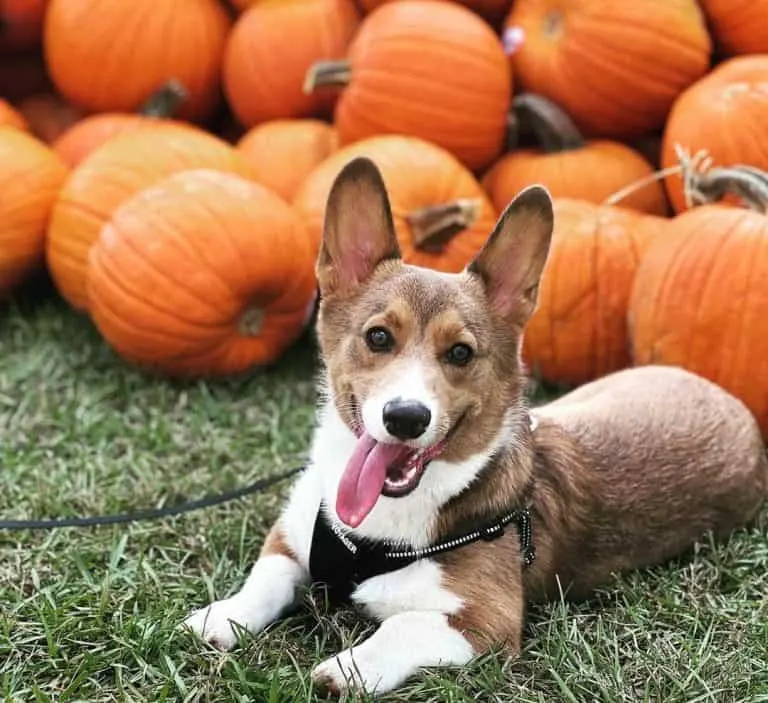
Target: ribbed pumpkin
<point>726,113</point>
<point>21,24</point>
<point>30,178</point>
<point>272,46</point>
<point>89,133</point>
<point>738,26</point>
<point>615,67</point>
<point>492,10</point>
<point>202,274</point>
<point>425,68</point>
<point>569,166</point>
<point>700,296</point>
<point>579,329</point>
<point>11,117</point>
<point>113,56</point>
<point>109,176</point>
<point>282,153</point>
<point>442,215</point>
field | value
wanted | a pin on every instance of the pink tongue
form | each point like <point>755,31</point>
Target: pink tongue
<point>363,479</point>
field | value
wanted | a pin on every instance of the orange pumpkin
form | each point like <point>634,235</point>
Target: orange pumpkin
<point>391,85</point>
<point>21,24</point>
<point>11,117</point>
<point>700,296</point>
<point>492,10</point>
<point>48,115</point>
<point>726,113</point>
<point>109,176</point>
<point>30,178</point>
<point>112,57</point>
<point>579,329</point>
<point>738,26</point>
<point>441,214</point>
<point>89,133</point>
<point>202,274</point>
<point>272,46</point>
<point>569,166</point>
<point>615,67</point>
<point>282,153</point>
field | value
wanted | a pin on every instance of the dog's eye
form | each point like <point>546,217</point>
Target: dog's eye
<point>379,339</point>
<point>459,354</point>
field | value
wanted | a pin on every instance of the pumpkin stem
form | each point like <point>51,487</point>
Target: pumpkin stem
<point>166,101</point>
<point>251,322</point>
<point>327,74</point>
<point>432,227</point>
<point>551,126</point>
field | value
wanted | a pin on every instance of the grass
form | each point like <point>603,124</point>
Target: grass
<point>90,614</point>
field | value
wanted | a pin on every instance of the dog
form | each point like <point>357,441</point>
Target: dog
<point>436,498</point>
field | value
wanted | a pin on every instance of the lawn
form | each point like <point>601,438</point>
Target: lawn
<point>91,614</point>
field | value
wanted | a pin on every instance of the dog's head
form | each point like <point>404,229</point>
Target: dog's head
<point>420,364</point>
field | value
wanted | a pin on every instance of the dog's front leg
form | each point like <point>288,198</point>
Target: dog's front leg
<point>268,591</point>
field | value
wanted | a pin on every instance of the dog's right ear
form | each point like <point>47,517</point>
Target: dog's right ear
<point>358,233</point>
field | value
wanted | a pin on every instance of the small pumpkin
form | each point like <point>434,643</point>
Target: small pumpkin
<point>567,165</point>
<point>112,57</point>
<point>282,153</point>
<point>725,113</point>
<point>272,46</point>
<point>11,117</point>
<point>48,115</point>
<point>112,174</point>
<point>441,214</point>
<point>738,26</point>
<point>579,329</point>
<point>202,274</point>
<point>492,10</point>
<point>700,296</point>
<point>30,178</point>
<point>614,67</point>
<point>391,85</point>
<point>89,133</point>
<point>21,24</point>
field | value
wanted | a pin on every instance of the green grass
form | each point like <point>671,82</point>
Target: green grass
<point>90,614</point>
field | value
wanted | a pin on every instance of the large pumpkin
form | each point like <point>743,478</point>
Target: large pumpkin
<point>726,113</point>
<point>272,46</point>
<point>11,117</point>
<point>615,67</point>
<point>569,166</point>
<point>112,56</point>
<point>425,68</point>
<point>738,26</point>
<point>442,215</point>
<point>30,178</point>
<point>700,296</point>
<point>579,329</point>
<point>202,274</point>
<point>109,176</point>
<point>282,153</point>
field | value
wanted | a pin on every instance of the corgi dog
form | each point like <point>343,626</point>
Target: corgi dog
<point>435,498</point>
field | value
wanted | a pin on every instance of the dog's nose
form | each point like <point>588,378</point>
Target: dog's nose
<point>406,419</point>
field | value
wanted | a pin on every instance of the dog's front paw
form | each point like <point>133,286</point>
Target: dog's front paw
<point>349,671</point>
<point>217,623</point>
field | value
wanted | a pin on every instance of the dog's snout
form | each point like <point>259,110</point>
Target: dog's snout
<point>406,419</point>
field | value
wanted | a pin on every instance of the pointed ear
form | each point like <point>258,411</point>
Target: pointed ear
<point>358,233</point>
<point>512,259</point>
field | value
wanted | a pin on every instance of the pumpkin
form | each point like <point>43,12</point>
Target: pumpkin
<point>109,176</point>
<point>282,153</point>
<point>21,24</point>
<point>89,133</point>
<point>492,10</point>
<point>726,113</point>
<point>441,214</point>
<point>272,46</point>
<point>567,165</point>
<point>48,115</point>
<point>30,178</point>
<point>202,274</point>
<point>579,329</point>
<point>615,67</point>
<point>112,57</point>
<point>425,68</point>
<point>738,26</point>
<point>11,117</point>
<point>700,296</point>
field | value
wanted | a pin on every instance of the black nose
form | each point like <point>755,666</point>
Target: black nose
<point>406,419</point>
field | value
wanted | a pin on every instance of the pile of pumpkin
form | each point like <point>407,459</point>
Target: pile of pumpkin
<point>169,163</point>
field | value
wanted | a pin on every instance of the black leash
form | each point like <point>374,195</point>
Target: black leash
<point>152,513</point>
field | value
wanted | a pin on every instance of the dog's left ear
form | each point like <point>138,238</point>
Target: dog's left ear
<point>512,259</point>
<point>358,232</point>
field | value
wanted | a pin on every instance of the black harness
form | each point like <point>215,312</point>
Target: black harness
<point>342,562</point>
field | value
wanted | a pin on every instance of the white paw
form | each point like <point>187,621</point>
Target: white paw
<point>348,671</point>
<point>214,623</point>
